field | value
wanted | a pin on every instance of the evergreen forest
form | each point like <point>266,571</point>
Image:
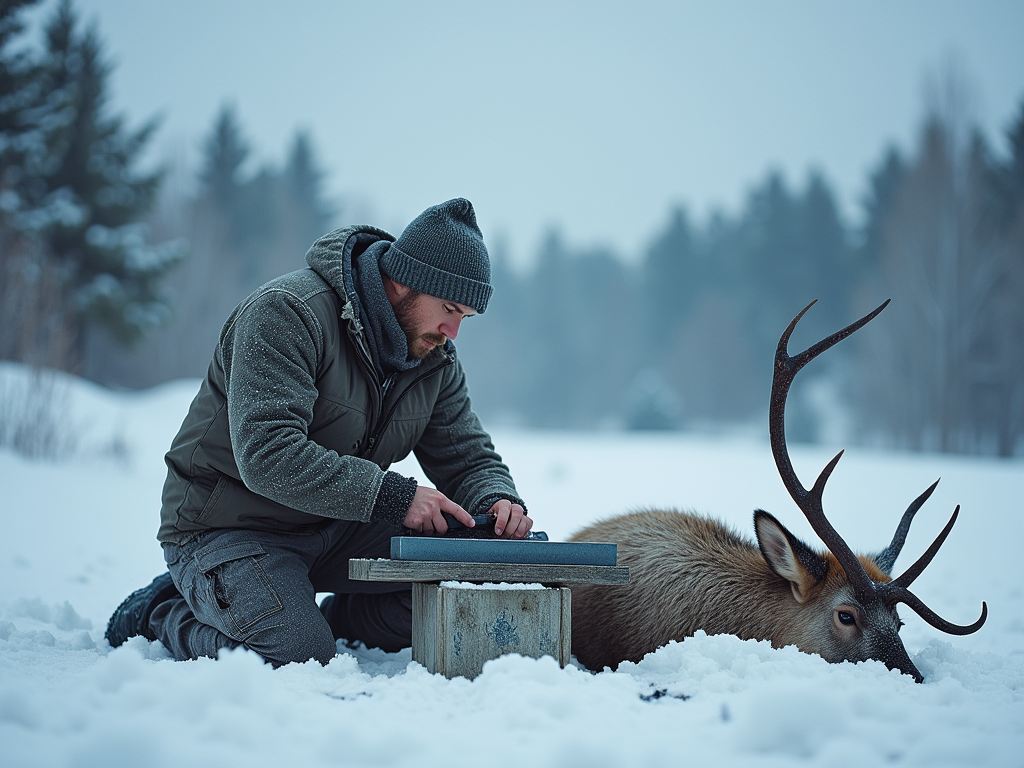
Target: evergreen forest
<point>110,271</point>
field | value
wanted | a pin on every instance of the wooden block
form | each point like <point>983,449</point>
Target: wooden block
<point>439,549</point>
<point>455,630</point>
<point>416,571</point>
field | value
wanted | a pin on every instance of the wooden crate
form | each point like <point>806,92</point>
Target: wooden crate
<point>455,629</point>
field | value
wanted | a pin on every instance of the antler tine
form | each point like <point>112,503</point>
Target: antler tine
<point>799,361</point>
<point>906,578</point>
<point>809,502</point>
<point>886,559</point>
<point>904,595</point>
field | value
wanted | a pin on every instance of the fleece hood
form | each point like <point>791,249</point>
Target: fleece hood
<point>331,257</point>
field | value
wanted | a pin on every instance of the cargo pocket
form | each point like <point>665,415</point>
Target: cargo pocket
<point>237,589</point>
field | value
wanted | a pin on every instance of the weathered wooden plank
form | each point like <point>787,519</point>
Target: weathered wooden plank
<point>424,625</point>
<point>502,551</point>
<point>420,570</point>
<point>565,628</point>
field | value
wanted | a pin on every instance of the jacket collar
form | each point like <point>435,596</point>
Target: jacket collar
<point>331,258</point>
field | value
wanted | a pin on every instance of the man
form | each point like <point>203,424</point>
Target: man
<point>321,380</point>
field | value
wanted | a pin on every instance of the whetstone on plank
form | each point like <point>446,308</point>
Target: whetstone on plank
<point>519,551</point>
<point>427,571</point>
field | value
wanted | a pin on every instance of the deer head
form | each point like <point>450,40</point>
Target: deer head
<point>864,622</point>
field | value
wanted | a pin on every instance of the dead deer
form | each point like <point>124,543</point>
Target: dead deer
<point>690,572</point>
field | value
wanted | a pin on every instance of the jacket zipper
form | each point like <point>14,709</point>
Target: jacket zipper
<point>383,423</point>
<point>382,395</point>
<point>377,400</point>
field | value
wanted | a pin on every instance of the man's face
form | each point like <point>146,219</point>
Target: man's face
<point>428,321</point>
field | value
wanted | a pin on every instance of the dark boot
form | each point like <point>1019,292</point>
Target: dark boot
<point>131,617</point>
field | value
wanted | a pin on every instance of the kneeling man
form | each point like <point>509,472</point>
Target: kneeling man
<point>321,380</point>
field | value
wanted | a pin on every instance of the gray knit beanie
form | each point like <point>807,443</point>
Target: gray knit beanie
<point>442,253</point>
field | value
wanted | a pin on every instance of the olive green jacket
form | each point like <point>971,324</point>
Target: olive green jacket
<point>293,425</point>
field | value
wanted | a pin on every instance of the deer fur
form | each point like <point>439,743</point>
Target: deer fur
<point>691,572</point>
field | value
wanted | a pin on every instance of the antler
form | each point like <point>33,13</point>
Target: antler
<point>907,578</point>
<point>886,559</point>
<point>902,595</point>
<point>896,591</point>
<point>810,503</point>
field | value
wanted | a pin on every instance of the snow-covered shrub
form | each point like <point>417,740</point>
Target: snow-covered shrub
<point>34,414</point>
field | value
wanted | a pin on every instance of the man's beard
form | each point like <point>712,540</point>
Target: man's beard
<point>405,313</point>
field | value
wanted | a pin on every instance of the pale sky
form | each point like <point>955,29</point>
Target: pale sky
<point>597,117</point>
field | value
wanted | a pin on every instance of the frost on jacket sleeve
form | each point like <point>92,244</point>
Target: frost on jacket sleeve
<point>456,453</point>
<point>271,354</point>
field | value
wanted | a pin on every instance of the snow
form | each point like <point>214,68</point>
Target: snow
<point>79,535</point>
<point>499,586</point>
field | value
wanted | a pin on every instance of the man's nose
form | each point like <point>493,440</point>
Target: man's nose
<point>450,328</point>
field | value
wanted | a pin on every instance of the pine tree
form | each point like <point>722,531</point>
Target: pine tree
<point>292,201</point>
<point>224,152</point>
<point>26,276</point>
<point>771,277</point>
<point>310,215</point>
<point>72,202</point>
<point>1015,169</point>
<point>19,129</point>
<point>793,249</point>
<point>97,199</point>
<point>551,389</point>
<point>243,210</point>
<point>883,184</point>
<point>670,283</point>
<point>1007,418</point>
<point>824,264</point>
<point>16,91</point>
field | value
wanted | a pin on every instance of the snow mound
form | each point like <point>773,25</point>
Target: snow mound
<point>79,535</point>
<point>66,698</point>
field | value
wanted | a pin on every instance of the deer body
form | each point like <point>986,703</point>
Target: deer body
<point>690,572</point>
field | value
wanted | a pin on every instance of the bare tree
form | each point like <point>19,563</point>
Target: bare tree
<point>938,374</point>
<point>1008,412</point>
<point>36,330</point>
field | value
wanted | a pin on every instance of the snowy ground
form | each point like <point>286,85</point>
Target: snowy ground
<point>79,535</point>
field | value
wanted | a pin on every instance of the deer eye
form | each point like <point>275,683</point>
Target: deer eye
<point>845,617</point>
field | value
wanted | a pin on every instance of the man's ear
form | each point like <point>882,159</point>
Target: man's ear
<point>395,291</point>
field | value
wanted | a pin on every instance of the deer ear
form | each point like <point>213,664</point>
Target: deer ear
<point>789,557</point>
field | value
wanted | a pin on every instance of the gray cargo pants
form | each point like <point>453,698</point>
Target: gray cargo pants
<point>257,589</point>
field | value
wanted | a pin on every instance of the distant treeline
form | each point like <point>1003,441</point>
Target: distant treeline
<point>682,339</point>
<point>687,337</point>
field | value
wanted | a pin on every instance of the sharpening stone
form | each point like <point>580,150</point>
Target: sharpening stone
<point>501,551</point>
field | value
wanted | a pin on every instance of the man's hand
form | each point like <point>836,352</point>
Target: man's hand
<point>425,516</point>
<point>510,520</point>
